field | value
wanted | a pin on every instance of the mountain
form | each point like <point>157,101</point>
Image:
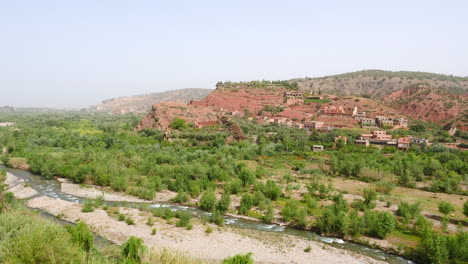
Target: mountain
<point>377,83</point>
<point>142,103</point>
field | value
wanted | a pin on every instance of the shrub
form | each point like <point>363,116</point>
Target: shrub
<point>247,202</point>
<point>35,240</point>
<point>179,124</point>
<point>88,206</point>
<point>129,221</point>
<point>209,230</point>
<point>224,202</point>
<point>408,211</point>
<point>384,187</point>
<point>184,219</point>
<point>208,201</point>
<point>181,197</point>
<point>133,248</point>
<point>369,198</point>
<point>289,210</point>
<point>81,235</point>
<point>446,208</point>
<point>432,249</point>
<point>239,259</point>
<point>217,218</point>
<point>272,191</point>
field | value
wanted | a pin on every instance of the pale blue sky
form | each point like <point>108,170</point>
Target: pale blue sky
<point>68,53</point>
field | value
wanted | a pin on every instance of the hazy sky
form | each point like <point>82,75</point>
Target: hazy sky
<point>68,53</point>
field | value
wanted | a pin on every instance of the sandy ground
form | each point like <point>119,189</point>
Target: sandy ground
<point>221,243</point>
<point>19,188</point>
<point>95,191</point>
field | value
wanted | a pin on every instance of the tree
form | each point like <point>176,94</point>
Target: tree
<point>385,225</point>
<point>208,201</point>
<point>272,191</point>
<point>247,202</point>
<point>179,124</point>
<point>433,249</point>
<point>369,197</point>
<point>224,202</point>
<point>446,208</point>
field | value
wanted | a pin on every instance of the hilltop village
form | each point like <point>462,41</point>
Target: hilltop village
<point>284,105</point>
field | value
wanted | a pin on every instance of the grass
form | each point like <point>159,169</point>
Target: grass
<point>317,101</point>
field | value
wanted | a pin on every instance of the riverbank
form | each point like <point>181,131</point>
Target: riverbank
<point>221,243</point>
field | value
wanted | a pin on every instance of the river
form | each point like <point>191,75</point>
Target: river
<point>51,188</point>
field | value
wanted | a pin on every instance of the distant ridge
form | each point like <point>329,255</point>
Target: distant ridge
<point>378,83</point>
<point>142,103</point>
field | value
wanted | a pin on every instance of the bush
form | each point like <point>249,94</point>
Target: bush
<point>272,191</point>
<point>224,202</point>
<point>179,124</point>
<point>133,249</point>
<point>247,202</point>
<point>369,198</point>
<point>432,249</point>
<point>184,219</point>
<point>81,235</point>
<point>217,218</point>
<point>208,201</point>
<point>446,208</point>
<point>88,206</point>
<point>129,221</point>
<point>239,259</point>
<point>26,238</point>
<point>408,211</point>
<point>181,197</point>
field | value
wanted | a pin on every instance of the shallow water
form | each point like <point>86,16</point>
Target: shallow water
<point>51,188</point>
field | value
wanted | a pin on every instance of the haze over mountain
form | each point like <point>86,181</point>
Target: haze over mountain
<point>142,103</point>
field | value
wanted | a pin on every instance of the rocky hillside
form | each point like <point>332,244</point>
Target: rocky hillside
<point>429,104</point>
<point>377,83</point>
<point>142,103</point>
<point>420,95</point>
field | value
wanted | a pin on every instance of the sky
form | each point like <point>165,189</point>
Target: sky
<point>72,54</point>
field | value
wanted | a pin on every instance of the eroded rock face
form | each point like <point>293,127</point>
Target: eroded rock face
<point>428,104</point>
<point>161,115</point>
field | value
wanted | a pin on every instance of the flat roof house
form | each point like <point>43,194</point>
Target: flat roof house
<point>403,143</point>
<point>317,148</point>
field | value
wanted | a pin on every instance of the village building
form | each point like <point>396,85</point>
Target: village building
<point>400,122</point>
<point>420,141</point>
<point>403,143</point>
<point>359,115</point>
<point>381,135</point>
<point>293,94</point>
<point>7,124</point>
<point>309,125</point>
<point>298,125</point>
<point>366,136</point>
<point>362,141</point>
<point>365,121</point>
<point>317,148</point>
<point>384,121</point>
